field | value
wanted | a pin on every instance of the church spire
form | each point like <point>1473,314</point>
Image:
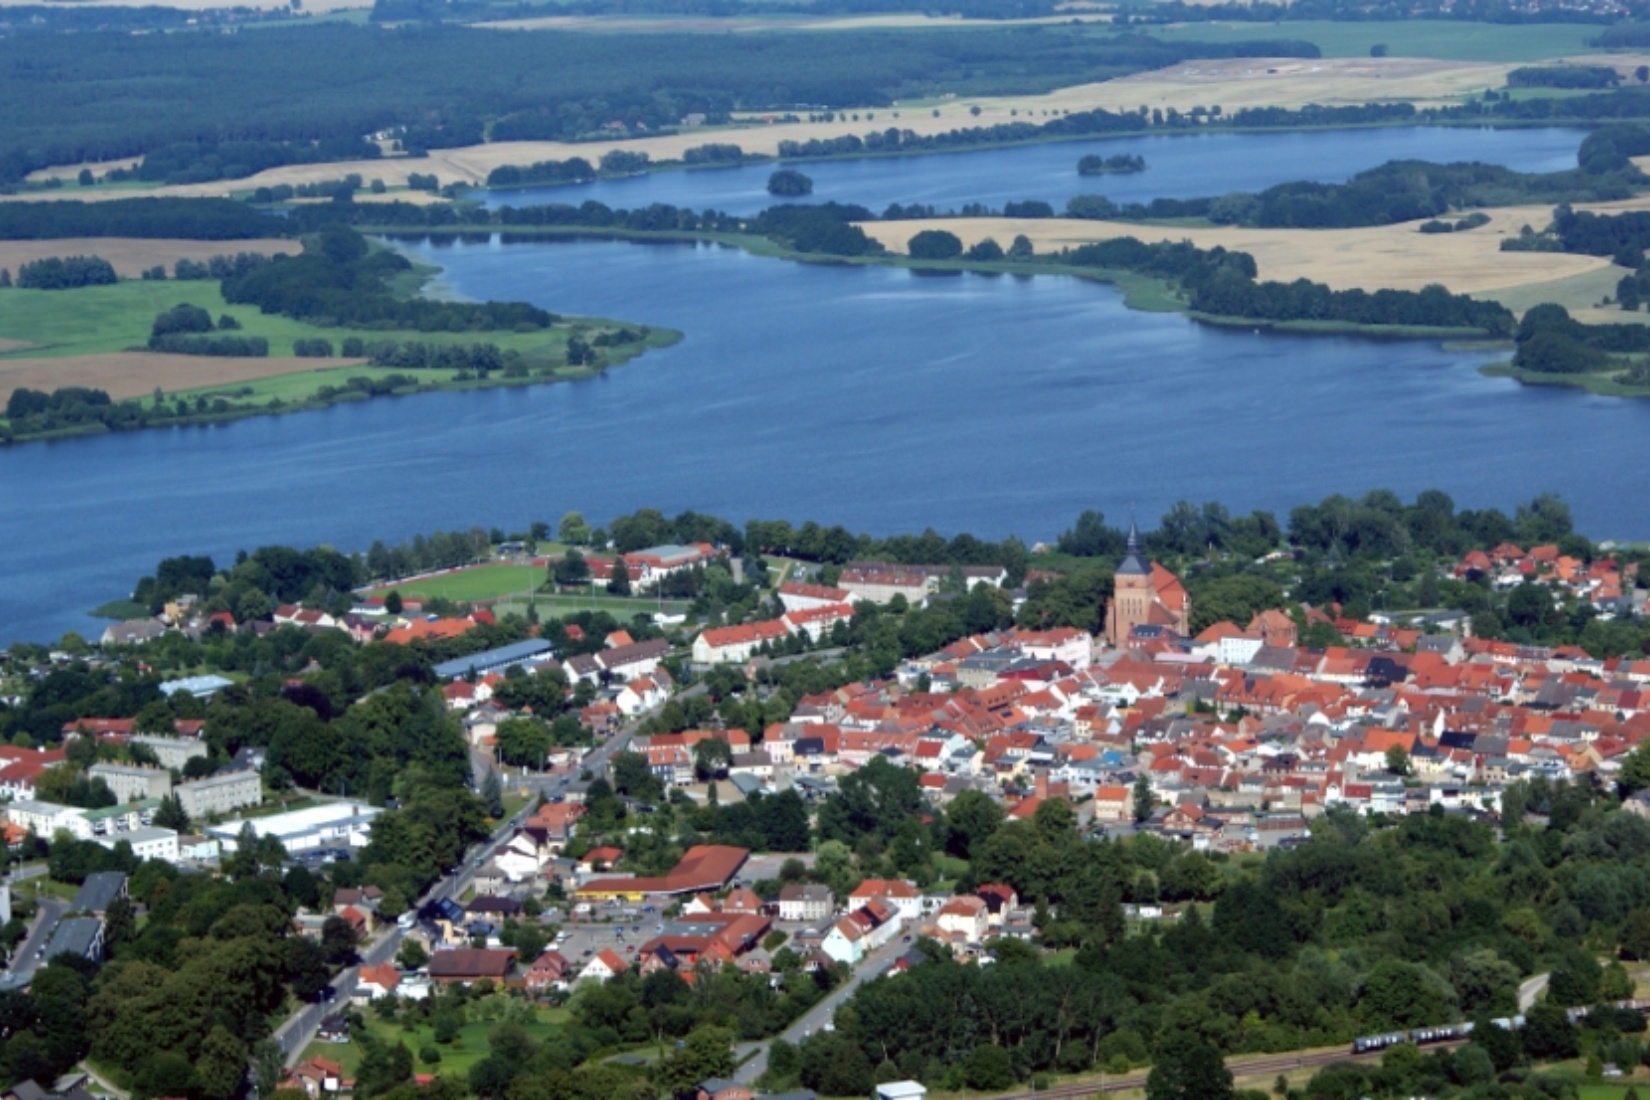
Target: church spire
<point>1134,561</point>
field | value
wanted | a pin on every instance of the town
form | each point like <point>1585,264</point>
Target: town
<point>663,796</point>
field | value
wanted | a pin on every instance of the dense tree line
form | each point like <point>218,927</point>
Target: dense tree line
<point>1563,76</point>
<point>242,347</point>
<point>416,355</point>
<point>571,170</point>
<point>203,162</point>
<point>54,273</point>
<point>338,281</point>
<point>1550,341</point>
<point>192,219</point>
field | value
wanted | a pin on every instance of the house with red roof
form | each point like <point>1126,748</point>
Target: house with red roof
<point>731,644</point>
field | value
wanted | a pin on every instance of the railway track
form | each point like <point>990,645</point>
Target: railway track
<point>1239,1067</point>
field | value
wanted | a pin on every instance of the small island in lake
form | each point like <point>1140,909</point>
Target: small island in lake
<point>1095,165</point>
<point>789,183</point>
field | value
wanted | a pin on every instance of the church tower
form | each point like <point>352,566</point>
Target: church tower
<point>1131,600</point>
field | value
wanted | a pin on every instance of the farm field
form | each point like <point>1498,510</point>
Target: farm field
<point>132,256</point>
<point>84,337</point>
<point>1397,256</point>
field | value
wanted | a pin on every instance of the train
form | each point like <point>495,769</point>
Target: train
<point>1446,1033</point>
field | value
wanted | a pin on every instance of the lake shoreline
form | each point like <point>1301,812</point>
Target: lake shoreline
<point>620,355</point>
<point>1140,292</point>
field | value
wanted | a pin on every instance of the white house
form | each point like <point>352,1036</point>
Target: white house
<point>810,901</point>
<point>45,818</point>
<point>901,897</point>
<point>861,932</point>
<point>964,918</point>
<point>1067,644</point>
<point>796,596</point>
<point>605,965</point>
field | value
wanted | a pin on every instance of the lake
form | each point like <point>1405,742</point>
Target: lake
<point>882,399</point>
<point>1178,166</point>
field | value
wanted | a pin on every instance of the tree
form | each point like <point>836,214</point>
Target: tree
<point>1635,770</point>
<point>392,602</point>
<point>1548,1033</point>
<point>492,795</point>
<point>411,955</point>
<point>1397,760</point>
<point>268,1066</point>
<point>220,1066</point>
<point>707,1052</point>
<point>619,583</point>
<point>1188,1068</point>
<point>338,940</point>
<point>170,814</point>
<point>1143,798</point>
<point>988,1067</point>
<point>971,819</point>
<point>572,570</point>
<point>934,244</point>
<point>573,530</point>
<point>711,757</point>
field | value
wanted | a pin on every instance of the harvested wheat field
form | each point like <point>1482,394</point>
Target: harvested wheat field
<point>12,345</point>
<point>136,373</point>
<point>131,256</point>
<point>1396,256</point>
<point>1250,82</point>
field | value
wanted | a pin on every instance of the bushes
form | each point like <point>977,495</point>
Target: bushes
<point>52,273</point>
<point>572,170</point>
<point>243,347</point>
<point>181,318</point>
<point>935,244</point>
<point>312,349</point>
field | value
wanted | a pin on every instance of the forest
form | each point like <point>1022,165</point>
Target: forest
<point>191,219</point>
<point>440,86</point>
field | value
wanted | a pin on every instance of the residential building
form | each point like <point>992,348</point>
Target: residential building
<point>809,901</point>
<point>604,965</point>
<point>964,920</point>
<point>148,842</point>
<point>100,890</point>
<point>465,965</point>
<point>171,752</point>
<point>45,818</point>
<point>220,794</point>
<point>729,644</point>
<point>132,783</point>
<point>82,936</point>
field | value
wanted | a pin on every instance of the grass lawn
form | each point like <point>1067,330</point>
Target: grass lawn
<point>480,582</point>
<point>456,1057</point>
<point>1436,38</point>
<point>620,607</point>
<point>118,317</point>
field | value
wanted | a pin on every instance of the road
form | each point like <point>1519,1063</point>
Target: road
<point>48,912</point>
<point>1530,990</point>
<point>298,1029</point>
<point>875,964</point>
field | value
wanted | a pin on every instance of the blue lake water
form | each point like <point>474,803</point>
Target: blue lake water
<point>882,399</point>
<point>1177,166</point>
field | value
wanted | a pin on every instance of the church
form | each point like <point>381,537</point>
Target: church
<point>1145,594</point>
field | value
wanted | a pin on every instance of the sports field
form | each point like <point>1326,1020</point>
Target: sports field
<point>477,582</point>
